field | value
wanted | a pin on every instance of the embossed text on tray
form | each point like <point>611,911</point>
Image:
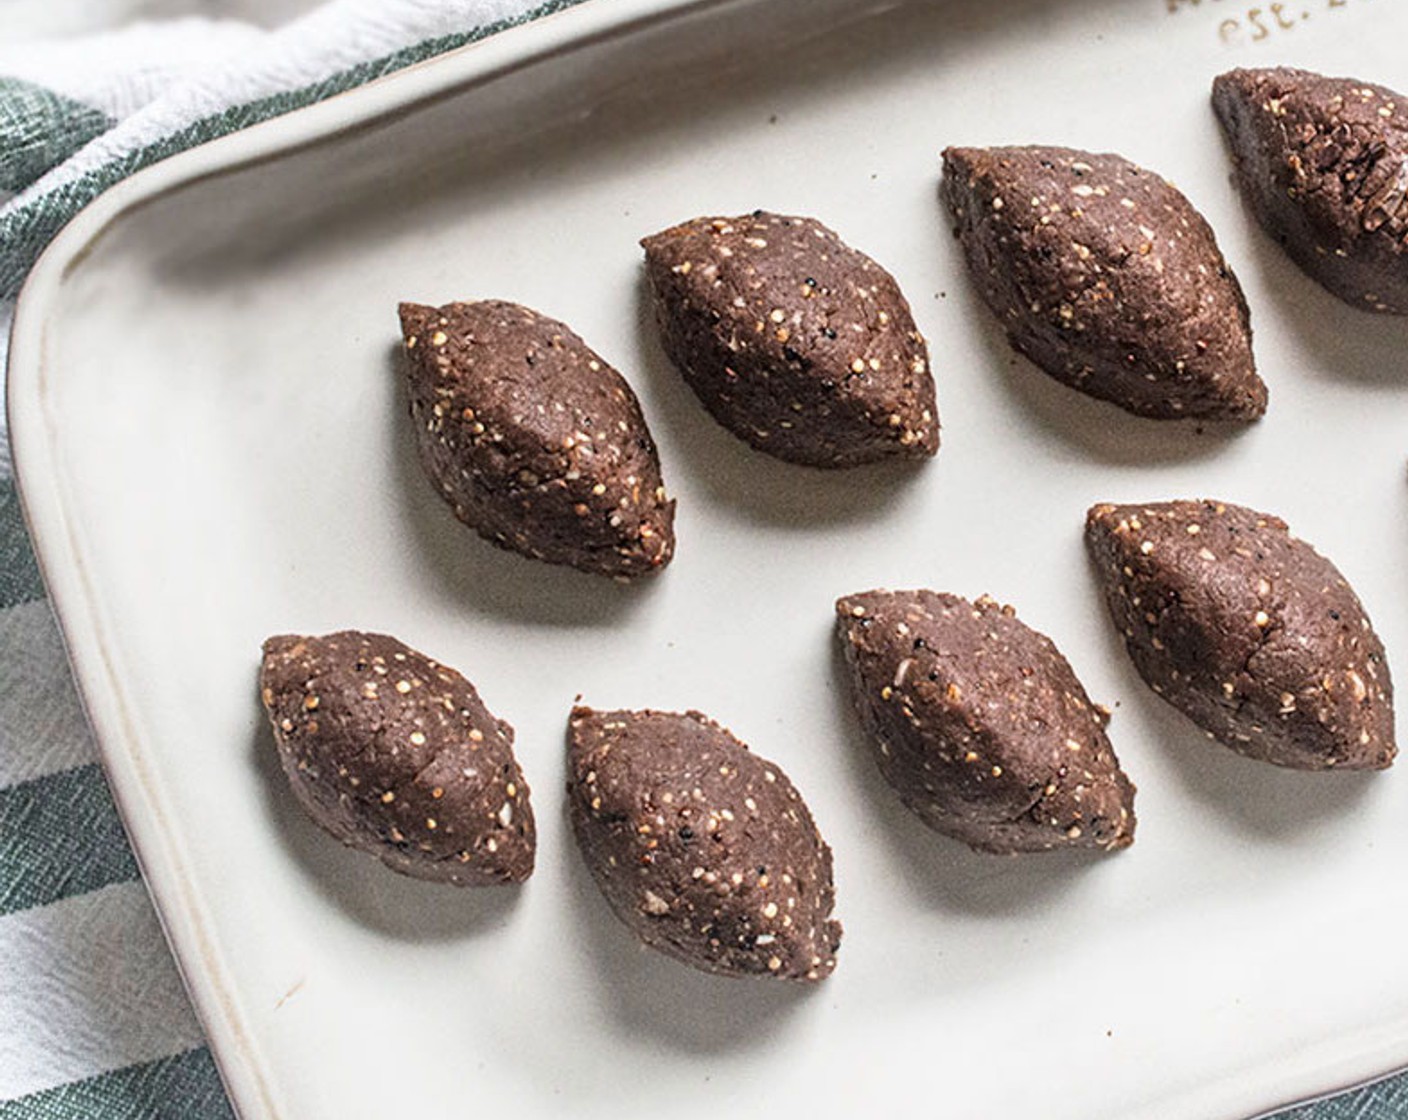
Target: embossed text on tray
<point>1239,25</point>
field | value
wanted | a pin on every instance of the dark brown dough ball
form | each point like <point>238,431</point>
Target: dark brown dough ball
<point>535,441</point>
<point>706,851</point>
<point>794,341</point>
<point>1107,278</point>
<point>1323,163</point>
<point>1248,631</point>
<point>396,755</point>
<point>981,725</point>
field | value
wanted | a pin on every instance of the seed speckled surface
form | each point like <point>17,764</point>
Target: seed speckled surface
<point>396,755</point>
<point>1323,163</point>
<point>534,440</point>
<point>980,724</point>
<point>794,341</point>
<point>1248,631</point>
<point>1107,278</point>
<point>704,850</point>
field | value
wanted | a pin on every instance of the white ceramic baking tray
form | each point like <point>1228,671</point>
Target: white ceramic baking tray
<point>211,442</point>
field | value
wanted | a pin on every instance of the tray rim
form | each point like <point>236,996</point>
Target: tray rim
<point>96,678</point>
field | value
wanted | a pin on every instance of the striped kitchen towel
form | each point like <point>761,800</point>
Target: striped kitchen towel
<point>93,1021</point>
<point>94,1024</point>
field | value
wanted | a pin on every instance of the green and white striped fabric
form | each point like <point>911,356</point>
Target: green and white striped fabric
<point>93,1020</point>
<point>94,1023</point>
